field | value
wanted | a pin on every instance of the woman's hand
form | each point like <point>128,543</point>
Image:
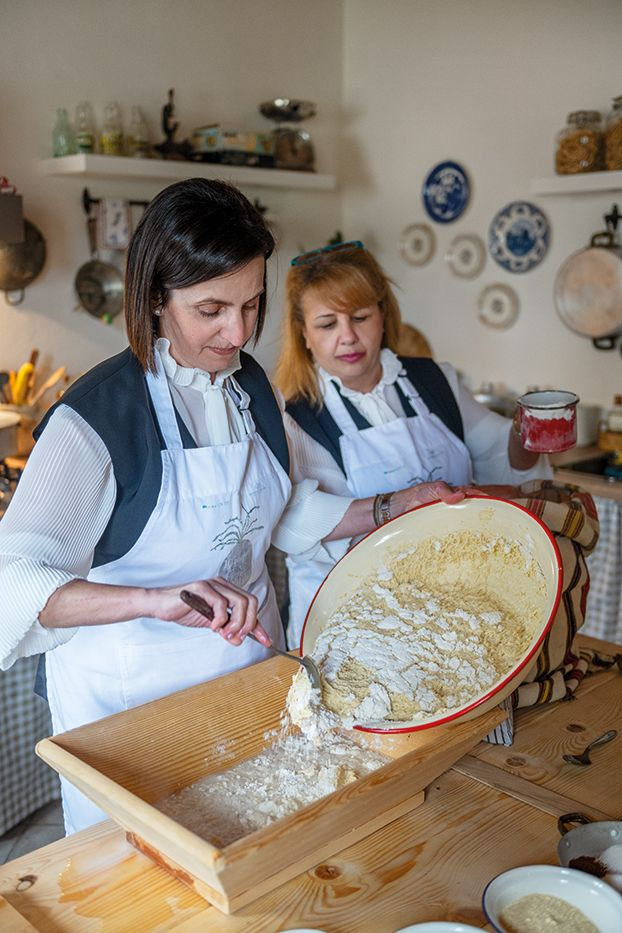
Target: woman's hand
<point>413,496</point>
<point>359,518</point>
<point>235,610</point>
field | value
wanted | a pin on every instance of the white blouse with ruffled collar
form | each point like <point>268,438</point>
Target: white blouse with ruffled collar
<point>382,403</point>
<point>208,409</point>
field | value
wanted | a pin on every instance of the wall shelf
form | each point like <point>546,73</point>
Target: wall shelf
<point>585,183</point>
<point>101,166</point>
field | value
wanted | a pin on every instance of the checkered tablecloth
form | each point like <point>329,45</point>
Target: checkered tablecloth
<point>26,782</point>
<point>603,617</point>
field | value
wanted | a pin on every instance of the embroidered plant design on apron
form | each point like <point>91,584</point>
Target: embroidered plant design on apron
<point>429,478</point>
<point>237,565</point>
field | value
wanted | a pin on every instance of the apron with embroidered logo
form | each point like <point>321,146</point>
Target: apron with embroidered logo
<point>214,516</point>
<point>385,458</point>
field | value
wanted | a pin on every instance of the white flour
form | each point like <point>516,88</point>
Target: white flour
<point>395,651</point>
<point>305,763</point>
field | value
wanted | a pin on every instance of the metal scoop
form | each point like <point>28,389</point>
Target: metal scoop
<point>584,757</point>
<point>199,605</point>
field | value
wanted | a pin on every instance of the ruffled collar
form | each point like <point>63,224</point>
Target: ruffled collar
<point>391,369</point>
<point>184,376</point>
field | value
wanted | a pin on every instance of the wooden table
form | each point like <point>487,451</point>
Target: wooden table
<point>496,809</point>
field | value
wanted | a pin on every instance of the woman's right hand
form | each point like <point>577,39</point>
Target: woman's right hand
<point>235,610</point>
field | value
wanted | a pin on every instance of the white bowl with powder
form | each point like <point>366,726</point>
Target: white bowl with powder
<point>599,904</point>
<point>435,616</point>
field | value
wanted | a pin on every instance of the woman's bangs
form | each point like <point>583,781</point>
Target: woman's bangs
<point>346,291</point>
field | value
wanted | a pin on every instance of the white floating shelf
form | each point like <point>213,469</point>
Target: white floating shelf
<point>582,183</point>
<point>101,166</point>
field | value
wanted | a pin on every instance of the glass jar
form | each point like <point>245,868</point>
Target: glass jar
<point>138,144</point>
<point>614,415</point>
<point>63,138</point>
<point>112,131</point>
<point>85,135</point>
<point>613,136</point>
<point>580,144</point>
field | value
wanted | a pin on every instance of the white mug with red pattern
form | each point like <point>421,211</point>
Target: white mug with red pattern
<point>547,420</point>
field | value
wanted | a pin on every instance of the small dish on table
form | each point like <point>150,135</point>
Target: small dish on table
<point>597,901</point>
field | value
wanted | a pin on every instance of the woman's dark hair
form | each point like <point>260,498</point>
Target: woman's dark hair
<point>192,231</point>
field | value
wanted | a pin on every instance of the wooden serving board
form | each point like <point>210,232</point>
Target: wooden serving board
<point>125,763</point>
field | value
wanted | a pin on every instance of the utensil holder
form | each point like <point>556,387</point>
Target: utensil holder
<point>30,415</point>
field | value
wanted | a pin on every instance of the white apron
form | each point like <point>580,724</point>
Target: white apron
<point>214,516</point>
<point>400,453</point>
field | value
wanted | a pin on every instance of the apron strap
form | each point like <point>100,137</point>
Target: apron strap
<point>163,405</point>
<point>343,411</point>
<point>241,401</point>
<point>412,397</point>
<point>404,398</point>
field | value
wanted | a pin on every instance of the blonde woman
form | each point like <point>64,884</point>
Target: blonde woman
<point>362,421</point>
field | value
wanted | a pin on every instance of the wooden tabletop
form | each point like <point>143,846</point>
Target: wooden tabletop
<point>496,809</point>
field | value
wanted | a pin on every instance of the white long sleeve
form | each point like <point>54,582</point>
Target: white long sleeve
<point>485,435</point>
<point>67,493</point>
<point>48,535</point>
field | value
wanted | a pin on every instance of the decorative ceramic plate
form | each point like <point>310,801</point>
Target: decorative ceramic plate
<point>446,192</point>
<point>417,244</point>
<point>498,306</point>
<point>519,236</point>
<point>466,255</point>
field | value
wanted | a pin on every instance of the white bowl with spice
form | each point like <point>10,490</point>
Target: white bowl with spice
<point>438,615</point>
<point>542,897</point>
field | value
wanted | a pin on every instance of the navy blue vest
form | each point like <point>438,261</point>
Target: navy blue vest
<point>427,378</point>
<point>114,400</point>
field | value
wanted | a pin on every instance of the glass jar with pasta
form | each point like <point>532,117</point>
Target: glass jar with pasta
<point>613,136</point>
<point>580,144</point>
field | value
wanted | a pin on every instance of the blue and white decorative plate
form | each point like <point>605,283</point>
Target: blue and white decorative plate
<point>518,237</point>
<point>446,192</point>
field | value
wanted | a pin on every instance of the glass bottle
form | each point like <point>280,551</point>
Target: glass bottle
<point>613,136</point>
<point>580,145</point>
<point>138,144</point>
<point>63,138</point>
<point>85,135</point>
<point>112,132</point>
<point>614,415</point>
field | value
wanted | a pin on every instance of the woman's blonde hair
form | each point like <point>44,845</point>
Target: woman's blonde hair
<point>345,279</point>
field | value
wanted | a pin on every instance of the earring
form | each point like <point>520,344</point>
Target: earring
<point>158,312</point>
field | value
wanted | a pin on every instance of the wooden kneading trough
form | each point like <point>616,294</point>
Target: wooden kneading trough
<point>127,762</point>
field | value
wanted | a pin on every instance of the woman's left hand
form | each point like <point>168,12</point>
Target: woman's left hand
<point>412,496</point>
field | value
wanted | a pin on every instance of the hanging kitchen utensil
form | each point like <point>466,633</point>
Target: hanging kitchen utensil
<point>588,288</point>
<point>98,284</point>
<point>20,263</point>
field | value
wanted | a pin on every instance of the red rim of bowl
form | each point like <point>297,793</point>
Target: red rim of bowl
<point>487,696</point>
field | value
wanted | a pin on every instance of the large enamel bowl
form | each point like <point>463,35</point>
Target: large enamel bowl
<point>480,514</point>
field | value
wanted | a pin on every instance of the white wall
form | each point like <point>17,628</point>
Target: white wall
<point>222,57</point>
<point>400,85</point>
<point>486,83</point>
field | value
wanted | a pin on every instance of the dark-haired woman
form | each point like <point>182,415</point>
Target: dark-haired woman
<point>163,468</point>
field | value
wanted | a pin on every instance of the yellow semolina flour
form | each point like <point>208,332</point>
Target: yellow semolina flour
<point>435,629</point>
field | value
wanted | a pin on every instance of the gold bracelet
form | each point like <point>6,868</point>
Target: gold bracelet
<point>382,508</point>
